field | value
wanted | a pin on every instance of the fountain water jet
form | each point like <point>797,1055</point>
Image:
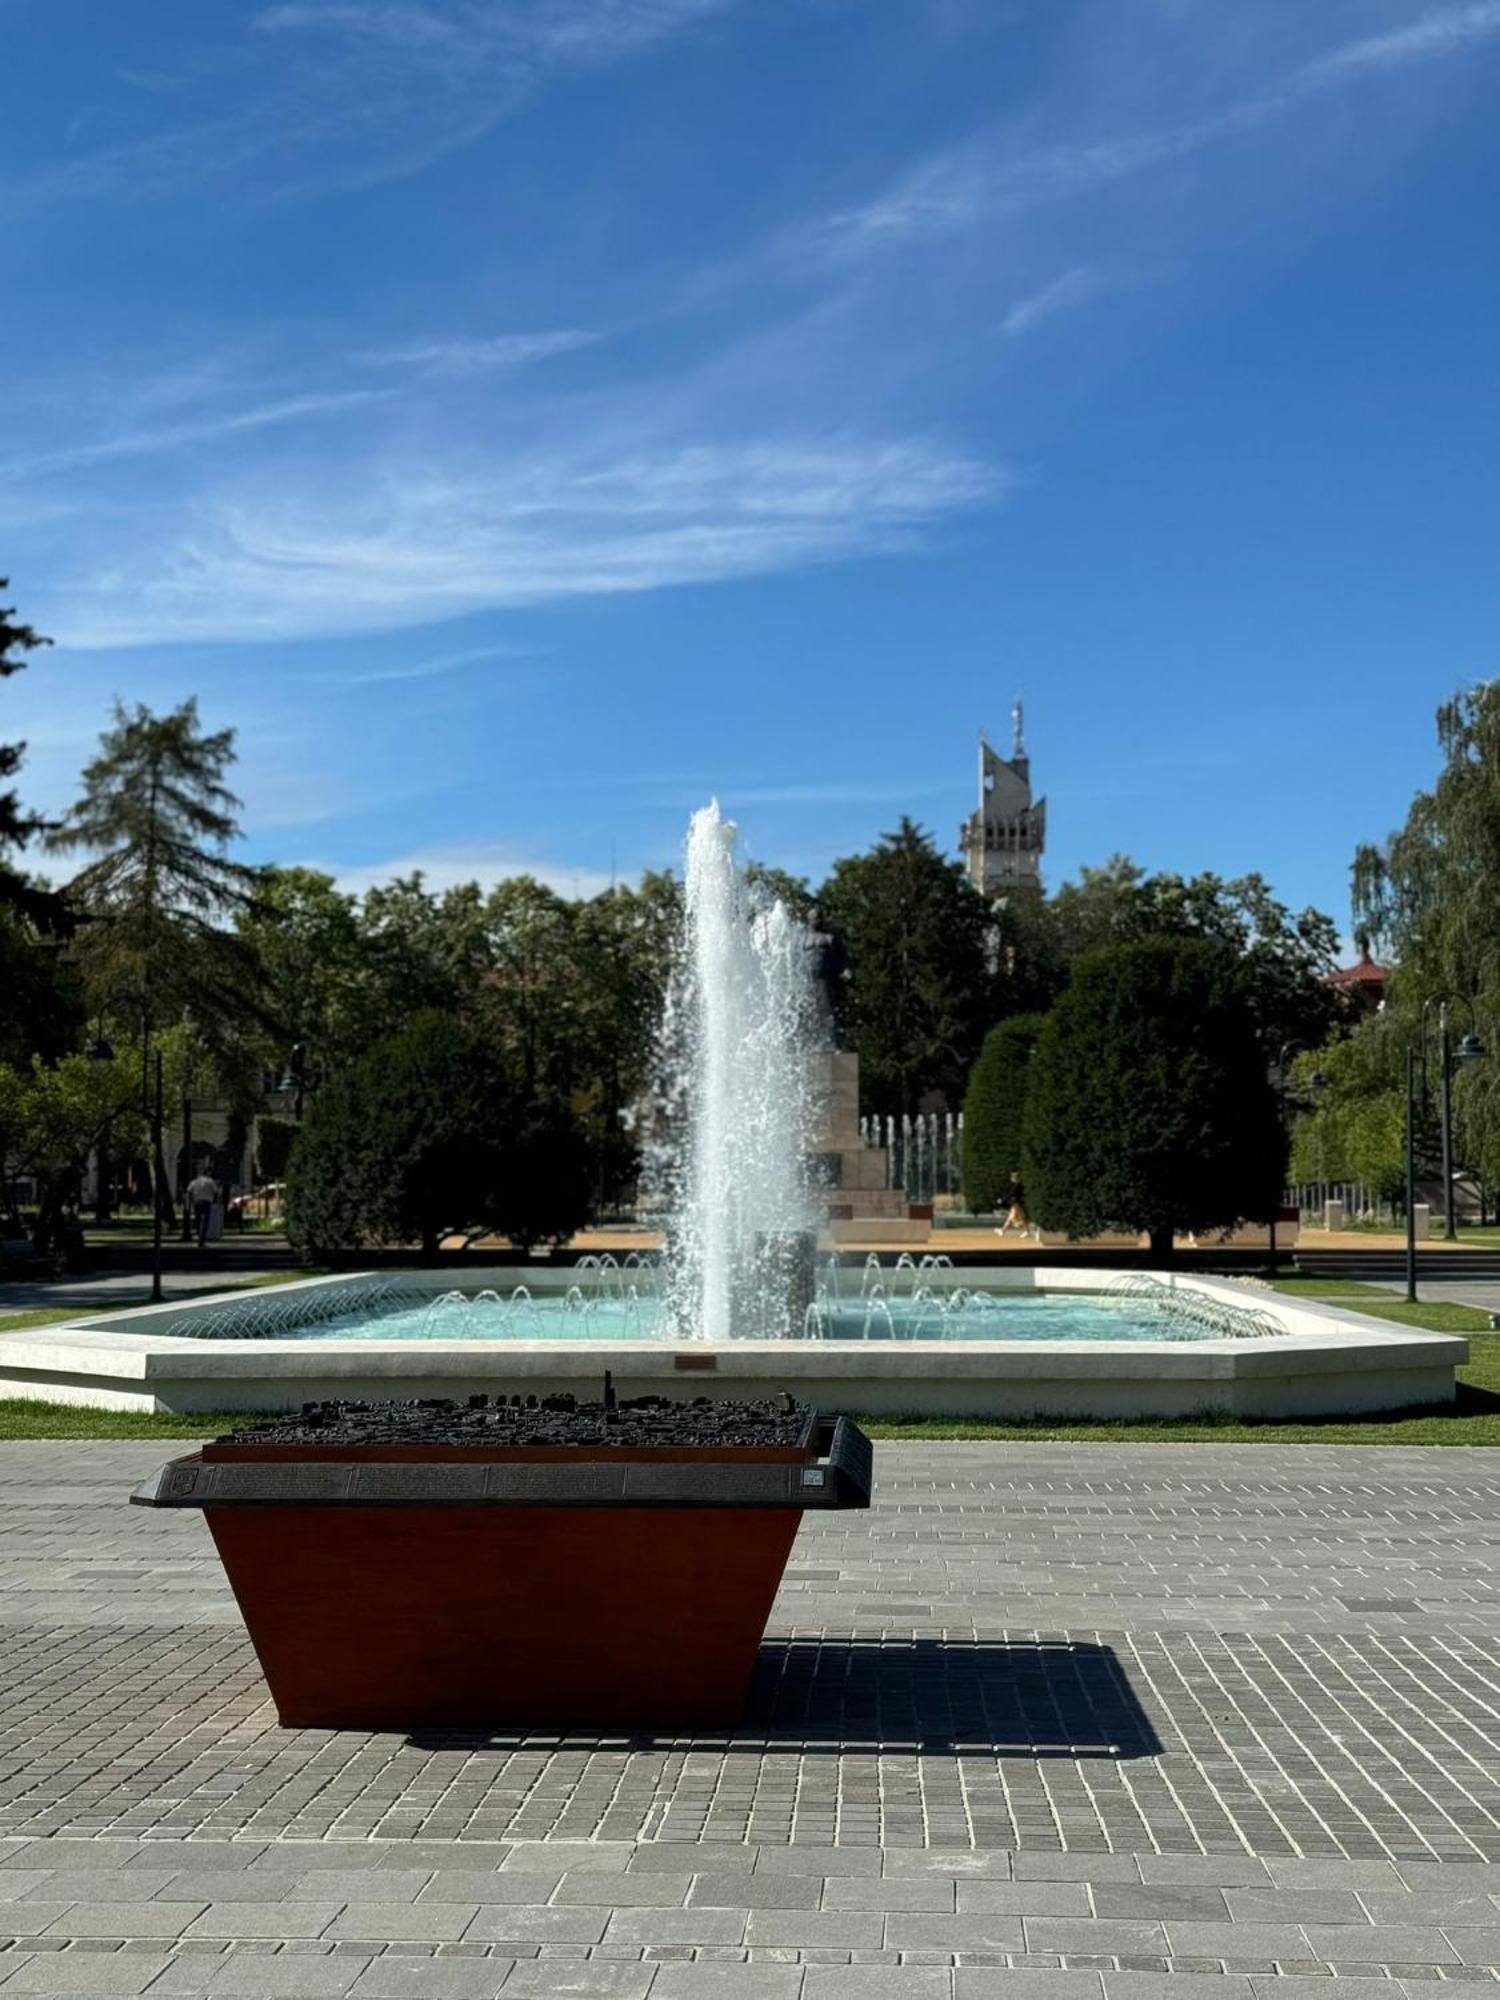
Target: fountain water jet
<point>743,1030</point>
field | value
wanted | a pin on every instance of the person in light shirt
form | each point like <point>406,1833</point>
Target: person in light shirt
<point>202,1192</point>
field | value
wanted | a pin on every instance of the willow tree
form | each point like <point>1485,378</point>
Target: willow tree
<point>1427,899</point>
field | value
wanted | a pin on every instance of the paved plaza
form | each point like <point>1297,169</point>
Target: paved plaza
<point>1050,1720</point>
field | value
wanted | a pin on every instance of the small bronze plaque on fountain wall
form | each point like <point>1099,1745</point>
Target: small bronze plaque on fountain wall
<point>695,1364</point>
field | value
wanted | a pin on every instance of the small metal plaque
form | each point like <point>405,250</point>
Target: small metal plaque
<point>695,1364</point>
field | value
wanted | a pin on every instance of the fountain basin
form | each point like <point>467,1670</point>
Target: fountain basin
<point>396,1571</point>
<point>1322,1360</point>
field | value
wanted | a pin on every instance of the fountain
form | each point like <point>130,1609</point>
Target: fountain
<point>742,1028</point>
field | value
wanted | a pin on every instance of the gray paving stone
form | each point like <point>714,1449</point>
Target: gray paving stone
<point>29,1886</point>
<point>671,1927</point>
<point>913,1892</point>
<point>359,1885</point>
<point>1215,1871</point>
<point>877,1982</point>
<point>125,1920</point>
<point>1386,1944</point>
<point>1303,1906</point>
<point>1189,1939</point>
<point>956,1861</point>
<point>661,1890</point>
<point>1474,1946</point>
<point>231,1885</point>
<point>92,1975</point>
<point>727,1982</point>
<point>975,1932</point>
<point>1096,1934</point>
<point>555,1981</point>
<point>389,1978</point>
<point>238,1976</point>
<point>1184,1986</point>
<point>488,1885</point>
<point>768,1892</point>
<point>838,1930</point>
<point>1042,1866</point>
<point>1157,1900</point>
<point>983,1982</point>
<point>1430,1906</point>
<point>433,1923</point>
<point>264,1920</point>
<point>530,1923</point>
<point>1024,1899</point>
<point>543,1857</point>
<point>1348,1987</point>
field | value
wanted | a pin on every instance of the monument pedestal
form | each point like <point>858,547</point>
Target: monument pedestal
<point>855,1177</point>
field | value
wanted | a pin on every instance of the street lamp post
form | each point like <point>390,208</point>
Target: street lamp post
<point>1470,1049</point>
<point>158,1189</point>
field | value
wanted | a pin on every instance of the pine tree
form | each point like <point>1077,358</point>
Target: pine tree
<point>18,896</point>
<point>155,902</point>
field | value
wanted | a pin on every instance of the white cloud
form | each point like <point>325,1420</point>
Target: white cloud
<point>420,543</point>
<point>354,92</point>
<point>458,356</point>
<point>1445,31</point>
<point>960,186</point>
<point>442,663</point>
<point>172,437</point>
<point>450,866</point>
<point>1073,288</point>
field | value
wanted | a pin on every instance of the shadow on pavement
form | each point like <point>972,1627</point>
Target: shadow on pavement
<point>843,1696</point>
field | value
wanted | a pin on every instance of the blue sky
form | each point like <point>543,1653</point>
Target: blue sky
<point>522,418</point>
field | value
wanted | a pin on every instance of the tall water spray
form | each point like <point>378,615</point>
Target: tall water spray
<point>743,1030</point>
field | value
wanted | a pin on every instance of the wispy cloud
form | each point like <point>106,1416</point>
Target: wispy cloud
<point>355,92</point>
<point>459,356</point>
<point>1073,288</point>
<point>1446,31</point>
<point>443,663</point>
<point>981,178</point>
<point>449,866</point>
<point>417,544</point>
<point>173,437</point>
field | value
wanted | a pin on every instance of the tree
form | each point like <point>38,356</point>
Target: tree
<point>916,1002</point>
<point>53,1117</point>
<point>1353,1123</point>
<point>429,1131</point>
<point>158,818</point>
<point>18,895</point>
<point>1427,898</point>
<point>1283,957</point>
<point>1148,1104</point>
<point>994,1111</point>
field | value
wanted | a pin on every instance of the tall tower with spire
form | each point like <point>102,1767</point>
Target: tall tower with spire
<point>1002,842</point>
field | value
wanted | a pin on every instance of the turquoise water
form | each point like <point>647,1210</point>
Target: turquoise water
<point>979,1317</point>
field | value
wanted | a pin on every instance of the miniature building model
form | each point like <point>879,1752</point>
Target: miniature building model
<point>1003,841</point>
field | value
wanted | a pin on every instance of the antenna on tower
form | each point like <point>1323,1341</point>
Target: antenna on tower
<point>1018,717</point>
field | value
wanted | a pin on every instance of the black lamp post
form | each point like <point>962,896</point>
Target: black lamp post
<point>158,1188</point>
<point>1470,1049</point>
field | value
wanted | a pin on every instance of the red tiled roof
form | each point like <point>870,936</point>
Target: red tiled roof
<point>1366,973</point>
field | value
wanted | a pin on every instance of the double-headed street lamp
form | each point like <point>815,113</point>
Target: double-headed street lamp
<point>1470,1049</point>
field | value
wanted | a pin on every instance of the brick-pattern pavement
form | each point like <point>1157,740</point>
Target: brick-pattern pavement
<point>1057,1721</point>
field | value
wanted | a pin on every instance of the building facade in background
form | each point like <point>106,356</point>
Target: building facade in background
<point>1002,842</point>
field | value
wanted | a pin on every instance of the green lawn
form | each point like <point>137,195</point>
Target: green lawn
<point>1474,1419</point>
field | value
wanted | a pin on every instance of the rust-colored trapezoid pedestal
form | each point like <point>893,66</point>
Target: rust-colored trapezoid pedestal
<point>393,1588</point>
